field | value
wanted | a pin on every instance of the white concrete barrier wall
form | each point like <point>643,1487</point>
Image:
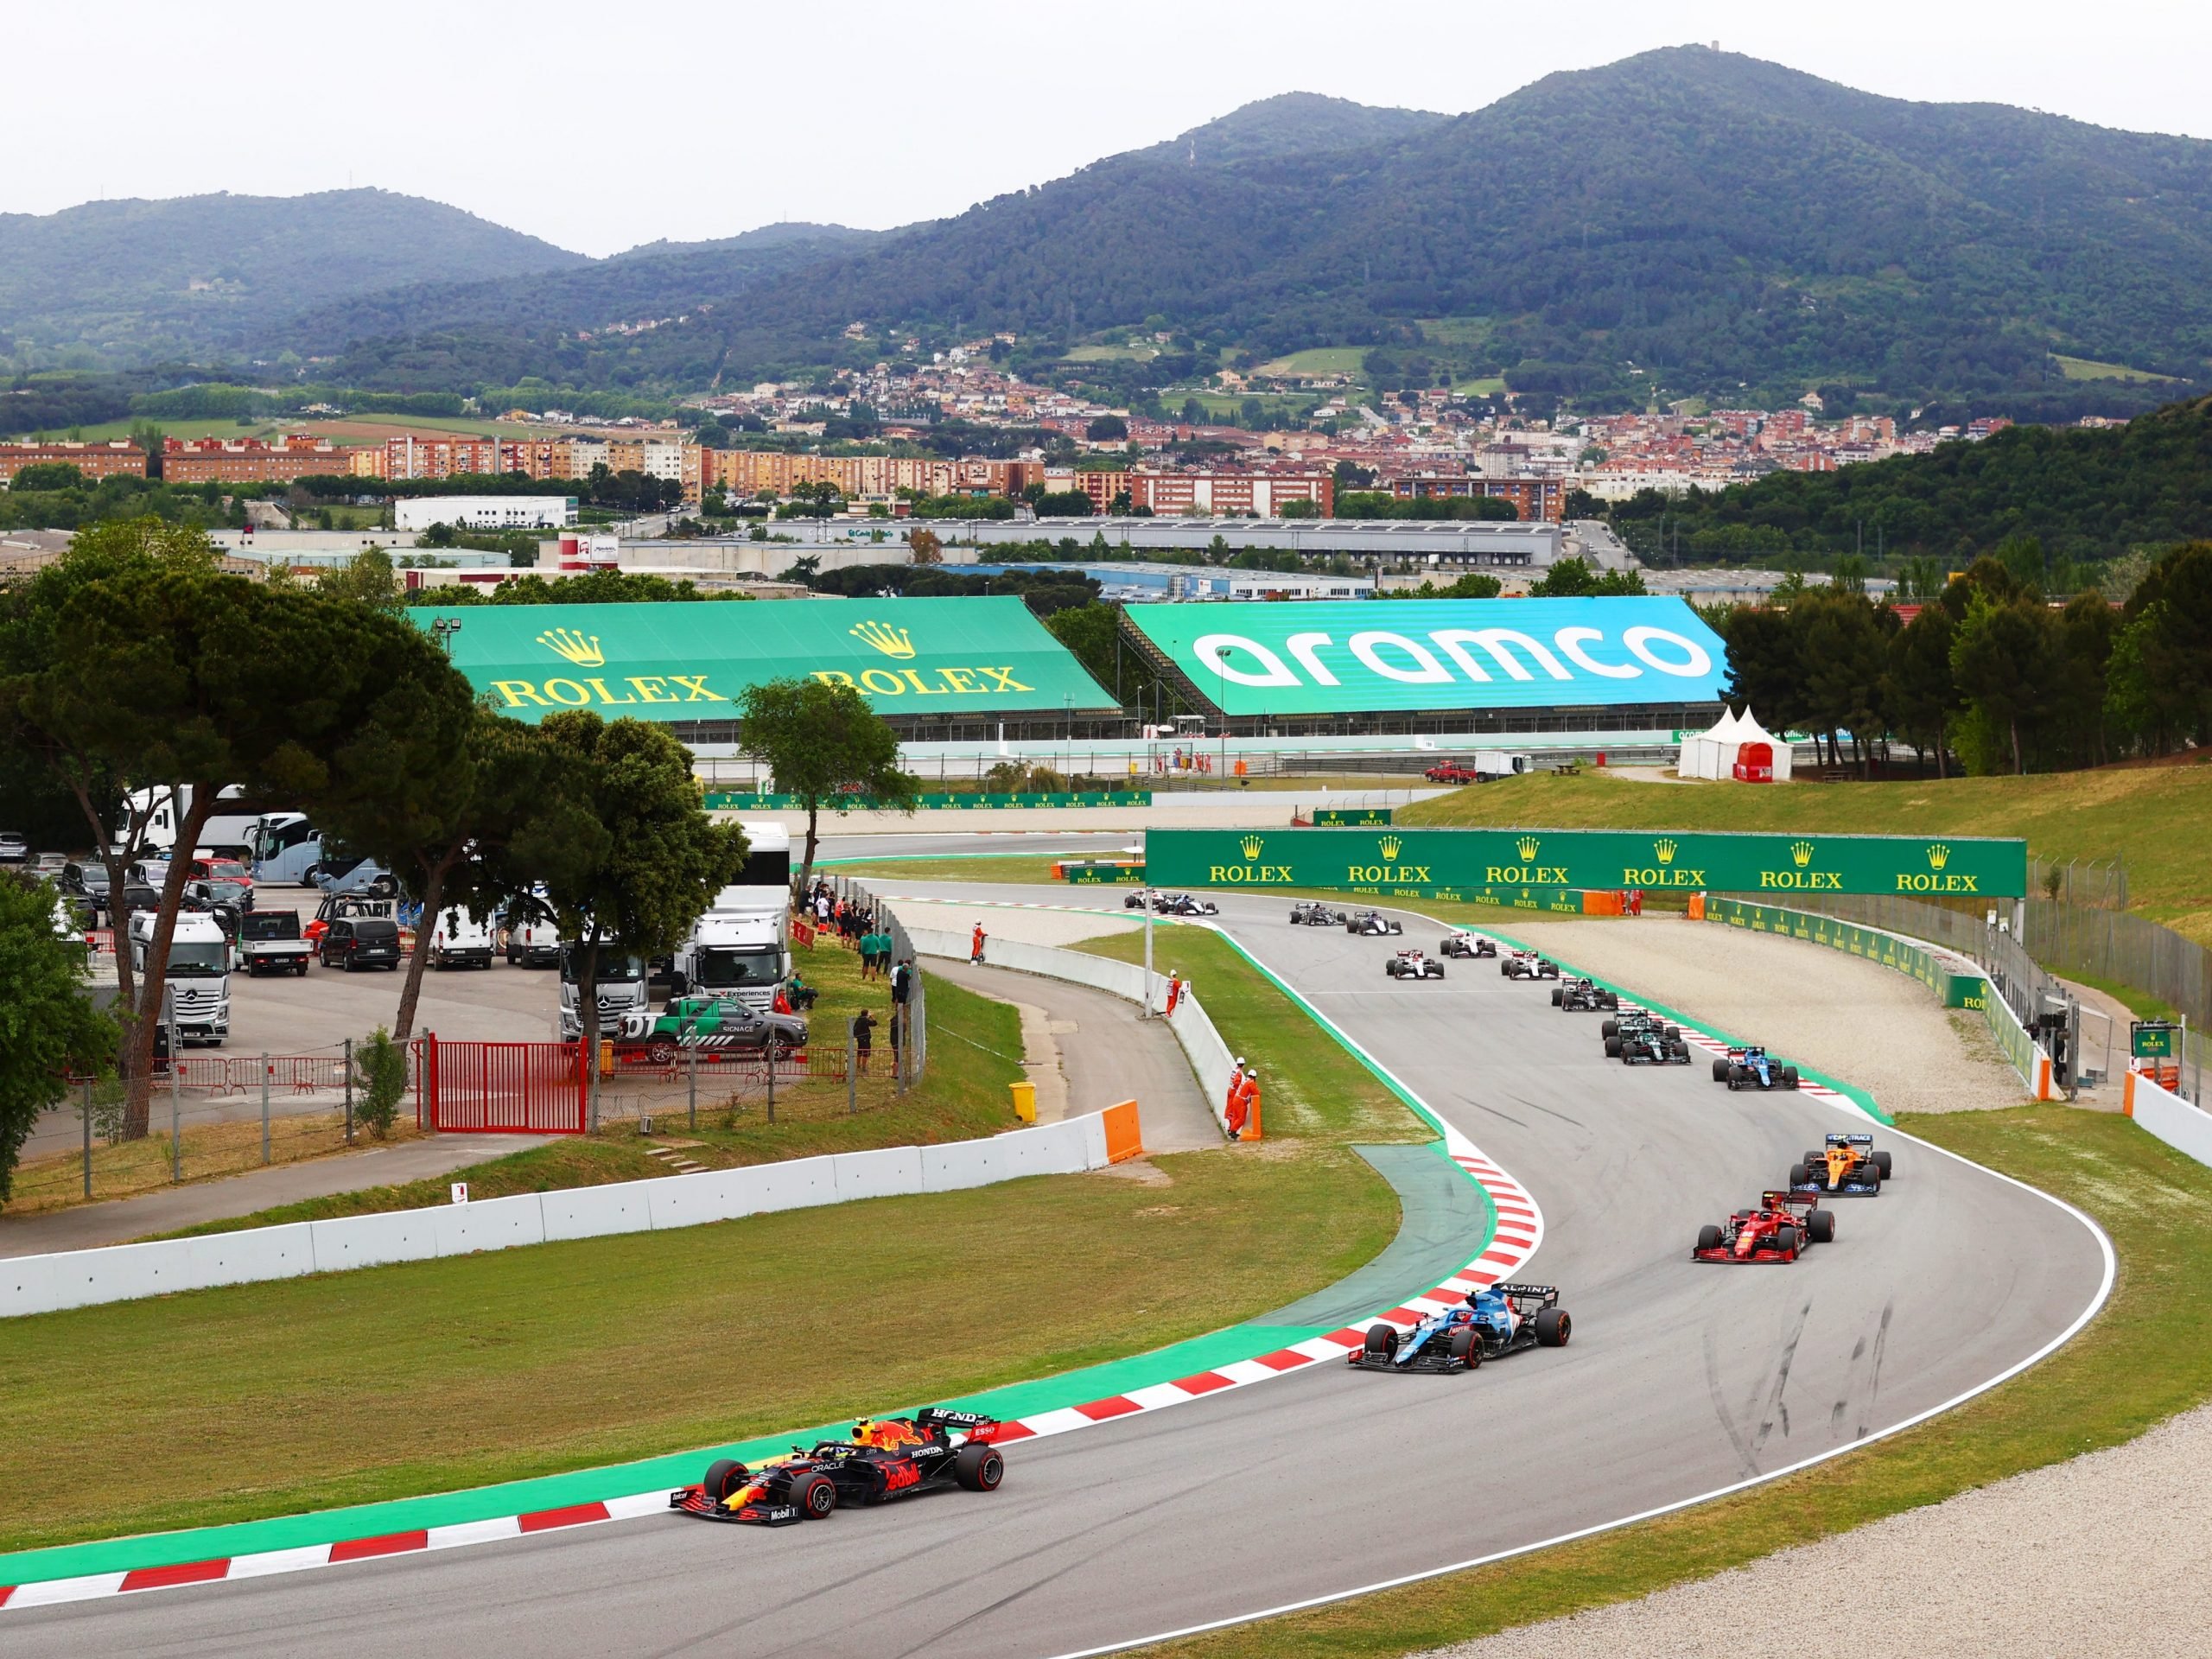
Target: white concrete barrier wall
<point>44,1284</point>
<point>2173,1120</point>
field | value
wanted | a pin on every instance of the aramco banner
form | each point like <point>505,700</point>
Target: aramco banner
<point>1333,657</point>
<point>1527,867</point>
<point>692,660</point>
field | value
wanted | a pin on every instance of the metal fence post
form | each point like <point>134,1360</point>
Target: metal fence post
<point>852,1075</point>
<point>176,1109</point>
<point>691,1069</point>
<point>349,1092</point>
<point>88,1137</point>
<point>264,1108</point>
<point>768,1058</point>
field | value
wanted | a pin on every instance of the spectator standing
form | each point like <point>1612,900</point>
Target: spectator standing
<point>863,1036</point>
<point>976,944</point>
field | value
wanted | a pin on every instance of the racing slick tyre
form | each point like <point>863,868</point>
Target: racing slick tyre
<point>1672,1033</point>
<point>724,1476</point>
<point>1558,996</point>
<point>1438,974</point>
<point>1612,1048</point>
<point>1554,1325</point>
<point>1609,999</point>
<point>1798,1175</point>
<point>1785,1240</point>
<point>1504,972</point>
<point>1679,1050</point>
<point>1881,1158</point>
<point>1462,1347</point>
<point>1735,1078</point>
<point>1790,1076</point>
<point>979,1468</point>
<point>1389,970</point>
<point>1708,1237</point>
<point>1819,1226</point>
<point>816,1495</point>
<point>1383,1339</point>
<point>1612,1028</point>
<point>1720,1068</point>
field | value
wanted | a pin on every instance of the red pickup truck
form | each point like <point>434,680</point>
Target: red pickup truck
<point>1452,771</point>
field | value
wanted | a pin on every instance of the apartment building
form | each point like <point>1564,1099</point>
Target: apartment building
<point>250,461</point>
<point>1535,496</point>
<point>117,459</point>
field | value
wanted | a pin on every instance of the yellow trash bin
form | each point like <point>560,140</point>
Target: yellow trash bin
<point>1025,1100</point>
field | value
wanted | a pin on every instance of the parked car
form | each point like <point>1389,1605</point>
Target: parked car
<point>14,848</point>
<point>48,867</point>
<point>269,943</point>
<point>356,942</point>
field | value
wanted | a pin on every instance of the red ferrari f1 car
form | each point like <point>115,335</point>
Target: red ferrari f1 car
<point>1781,1228</point>
<point>891,1457</point>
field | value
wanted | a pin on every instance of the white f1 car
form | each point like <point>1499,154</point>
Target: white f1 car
<point>1413,964</point>
<point>1527,965</point>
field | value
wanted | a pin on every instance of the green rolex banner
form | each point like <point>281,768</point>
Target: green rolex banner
<point>1528,867</point>
<point>692,660</point>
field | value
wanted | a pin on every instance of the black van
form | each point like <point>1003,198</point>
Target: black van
<point>361,942</point>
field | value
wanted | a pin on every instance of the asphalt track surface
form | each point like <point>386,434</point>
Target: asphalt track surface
<point>1680,1379</point>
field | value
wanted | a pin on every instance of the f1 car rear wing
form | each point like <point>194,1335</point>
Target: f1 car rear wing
<point>1848,1140</point>
<point>935,1417</point>
<point>1547,1295</point>
<point>1790,1200</point>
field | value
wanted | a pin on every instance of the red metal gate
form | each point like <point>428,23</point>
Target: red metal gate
<point>518,1087</point>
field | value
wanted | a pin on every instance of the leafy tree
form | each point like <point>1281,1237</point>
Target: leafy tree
<point>924,546</point>
<point>383,1065</point>
<point>50,476</point>
<point>2085,630</point>
<point>1473,585</point>
<point>48,1028</point>
<point>1107,428</point>
<point>1570,578</point>
<point>623,846</point>
<point>2004,659</point>
<point>1841,646</point>
<point>1918,689</point>
<point>366,579</point>
<point>1764,666</point>
<point>134,658</point>
<point>826,746</point>
<point>1064,503</point>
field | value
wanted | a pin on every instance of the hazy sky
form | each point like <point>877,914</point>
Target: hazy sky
<point>601,126</point>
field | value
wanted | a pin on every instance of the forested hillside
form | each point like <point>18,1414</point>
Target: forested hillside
<point>144,281</point>
<point>2084,495</point>
<point>1682,223</point>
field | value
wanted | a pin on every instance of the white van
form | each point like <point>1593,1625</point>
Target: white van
<point>460,940</point>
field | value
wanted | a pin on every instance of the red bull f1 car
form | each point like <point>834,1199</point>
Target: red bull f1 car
<point>1527,965</point>
<point>1781,1228</point>
<point>1413,964</point>
<point>1581,996</point>
<point>1753,1068</point>
<point>1847,1165</point>
<point>1494,1322</point>
<point>890,1458</point>
<point>1468,945</point>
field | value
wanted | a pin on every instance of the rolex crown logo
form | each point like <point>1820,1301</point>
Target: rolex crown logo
<point>582,650</point>
<point>1800,853</point>
<point>1527,847</point>
<point>1388,847</point>
<point>1938,856</point>
<point>1251,844</point>
<point>1664,850</point>
<point>892,642</point>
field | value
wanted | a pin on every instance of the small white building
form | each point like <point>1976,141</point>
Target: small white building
<point>486,512</point>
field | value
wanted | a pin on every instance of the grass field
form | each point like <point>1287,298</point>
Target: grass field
<point>1317,360</point>
<point>2087,368</point>
<point>2153,818</point>
<point>2098,1391</point>
<point>258,1400</point>
<point>429,1376</point>
<point>1112,354</point>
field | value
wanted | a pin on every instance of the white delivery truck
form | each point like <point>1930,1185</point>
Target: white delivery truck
<point>197,996</point>
<point>459,940</point>
<point>741,948</point>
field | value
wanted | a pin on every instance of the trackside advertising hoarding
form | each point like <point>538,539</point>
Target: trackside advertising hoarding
<point>1333,657</point>
<point>693,660</point>
<point>1528,867</point>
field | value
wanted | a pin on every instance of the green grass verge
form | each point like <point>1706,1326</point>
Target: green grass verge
<point>2148,1355</point>
<point>962,1097</point>
<point>993,867</point>
<point>2153,818</point>
<point>267,1400</point>
<point>2141,1004</point>
<point>1311,1086</point>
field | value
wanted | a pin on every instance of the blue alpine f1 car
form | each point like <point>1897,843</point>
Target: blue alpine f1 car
<point>1492,1323</point>
<point>1753,1067</point>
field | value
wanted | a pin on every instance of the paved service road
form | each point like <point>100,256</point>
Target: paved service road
<point>1681,1378</point>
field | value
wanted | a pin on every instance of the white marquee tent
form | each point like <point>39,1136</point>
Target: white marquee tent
<point>1711,753</point>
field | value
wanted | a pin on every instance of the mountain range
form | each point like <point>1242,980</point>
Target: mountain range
<point>1683,223</point>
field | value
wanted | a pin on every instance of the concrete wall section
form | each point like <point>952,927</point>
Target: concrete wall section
<point>2173,1119</point>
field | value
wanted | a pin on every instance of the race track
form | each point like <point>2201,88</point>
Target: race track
<point>1680,1379</point>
